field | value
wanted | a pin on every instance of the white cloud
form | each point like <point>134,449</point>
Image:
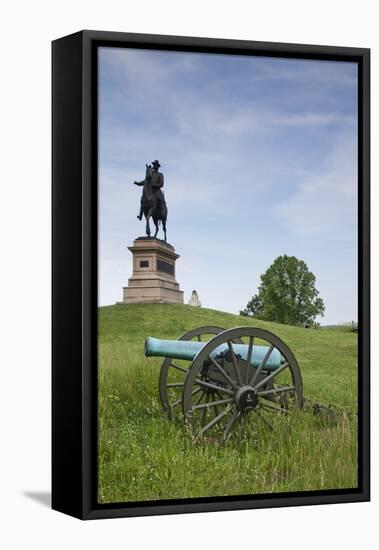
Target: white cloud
<point>308,119</point>
<point>222,121</point>
<point>326,203</point>
<point>308,71</point>
<point>141,68</point>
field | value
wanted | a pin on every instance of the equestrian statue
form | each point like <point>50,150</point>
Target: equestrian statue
<point>153,204</point>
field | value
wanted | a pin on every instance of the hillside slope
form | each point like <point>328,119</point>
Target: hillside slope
<point>145,456</point>
<point>327,358</point>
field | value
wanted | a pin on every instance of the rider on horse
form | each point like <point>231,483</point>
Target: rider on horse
<point>153,204</point>
<point>156,183</point>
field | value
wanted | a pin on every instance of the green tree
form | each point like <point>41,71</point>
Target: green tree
<point>287,294</point>
<point>254,307</point>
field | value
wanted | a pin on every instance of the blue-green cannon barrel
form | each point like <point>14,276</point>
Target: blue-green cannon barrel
<point>186,349</point>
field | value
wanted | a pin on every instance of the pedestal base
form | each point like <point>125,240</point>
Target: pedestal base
<point>153,280</point>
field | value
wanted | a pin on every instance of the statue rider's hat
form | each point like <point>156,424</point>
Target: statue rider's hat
<point>156,163</point>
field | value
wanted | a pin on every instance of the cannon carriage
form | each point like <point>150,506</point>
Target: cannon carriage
<point>219,379</point>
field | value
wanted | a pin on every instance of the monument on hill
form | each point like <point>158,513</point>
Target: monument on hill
<point>194,300</point>
<point>153,279</point>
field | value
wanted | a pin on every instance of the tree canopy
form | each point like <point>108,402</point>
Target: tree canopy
<point>287,294</point>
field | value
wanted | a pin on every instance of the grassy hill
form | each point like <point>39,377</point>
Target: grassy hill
<point>144,456</point>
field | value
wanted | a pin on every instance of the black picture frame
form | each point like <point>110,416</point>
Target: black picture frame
<point>74,273</point>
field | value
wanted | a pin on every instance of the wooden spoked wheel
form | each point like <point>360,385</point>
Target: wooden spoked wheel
<point>173,372</point>
<point>234,393</point>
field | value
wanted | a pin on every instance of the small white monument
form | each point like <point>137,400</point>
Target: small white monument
<point>194,300</point>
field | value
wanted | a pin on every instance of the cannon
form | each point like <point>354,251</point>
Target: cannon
<point>219,378</point>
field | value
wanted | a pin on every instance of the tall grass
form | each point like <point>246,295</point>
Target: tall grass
<point>144,456</point>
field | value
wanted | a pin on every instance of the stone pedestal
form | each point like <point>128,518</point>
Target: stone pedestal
<point>153,279</point>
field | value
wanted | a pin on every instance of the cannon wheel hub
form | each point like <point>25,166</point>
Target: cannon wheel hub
<point>246,398</point>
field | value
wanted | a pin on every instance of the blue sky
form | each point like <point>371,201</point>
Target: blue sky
<point>260,159</point>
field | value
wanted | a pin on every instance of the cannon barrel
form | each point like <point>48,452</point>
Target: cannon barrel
<point>186,349</point>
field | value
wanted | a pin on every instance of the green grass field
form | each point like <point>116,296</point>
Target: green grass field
<point>144,456</point>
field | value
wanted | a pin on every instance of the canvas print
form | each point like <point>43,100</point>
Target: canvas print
<point>227,275</point>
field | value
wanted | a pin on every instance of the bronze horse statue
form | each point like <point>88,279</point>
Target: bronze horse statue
<point>153,204</point>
